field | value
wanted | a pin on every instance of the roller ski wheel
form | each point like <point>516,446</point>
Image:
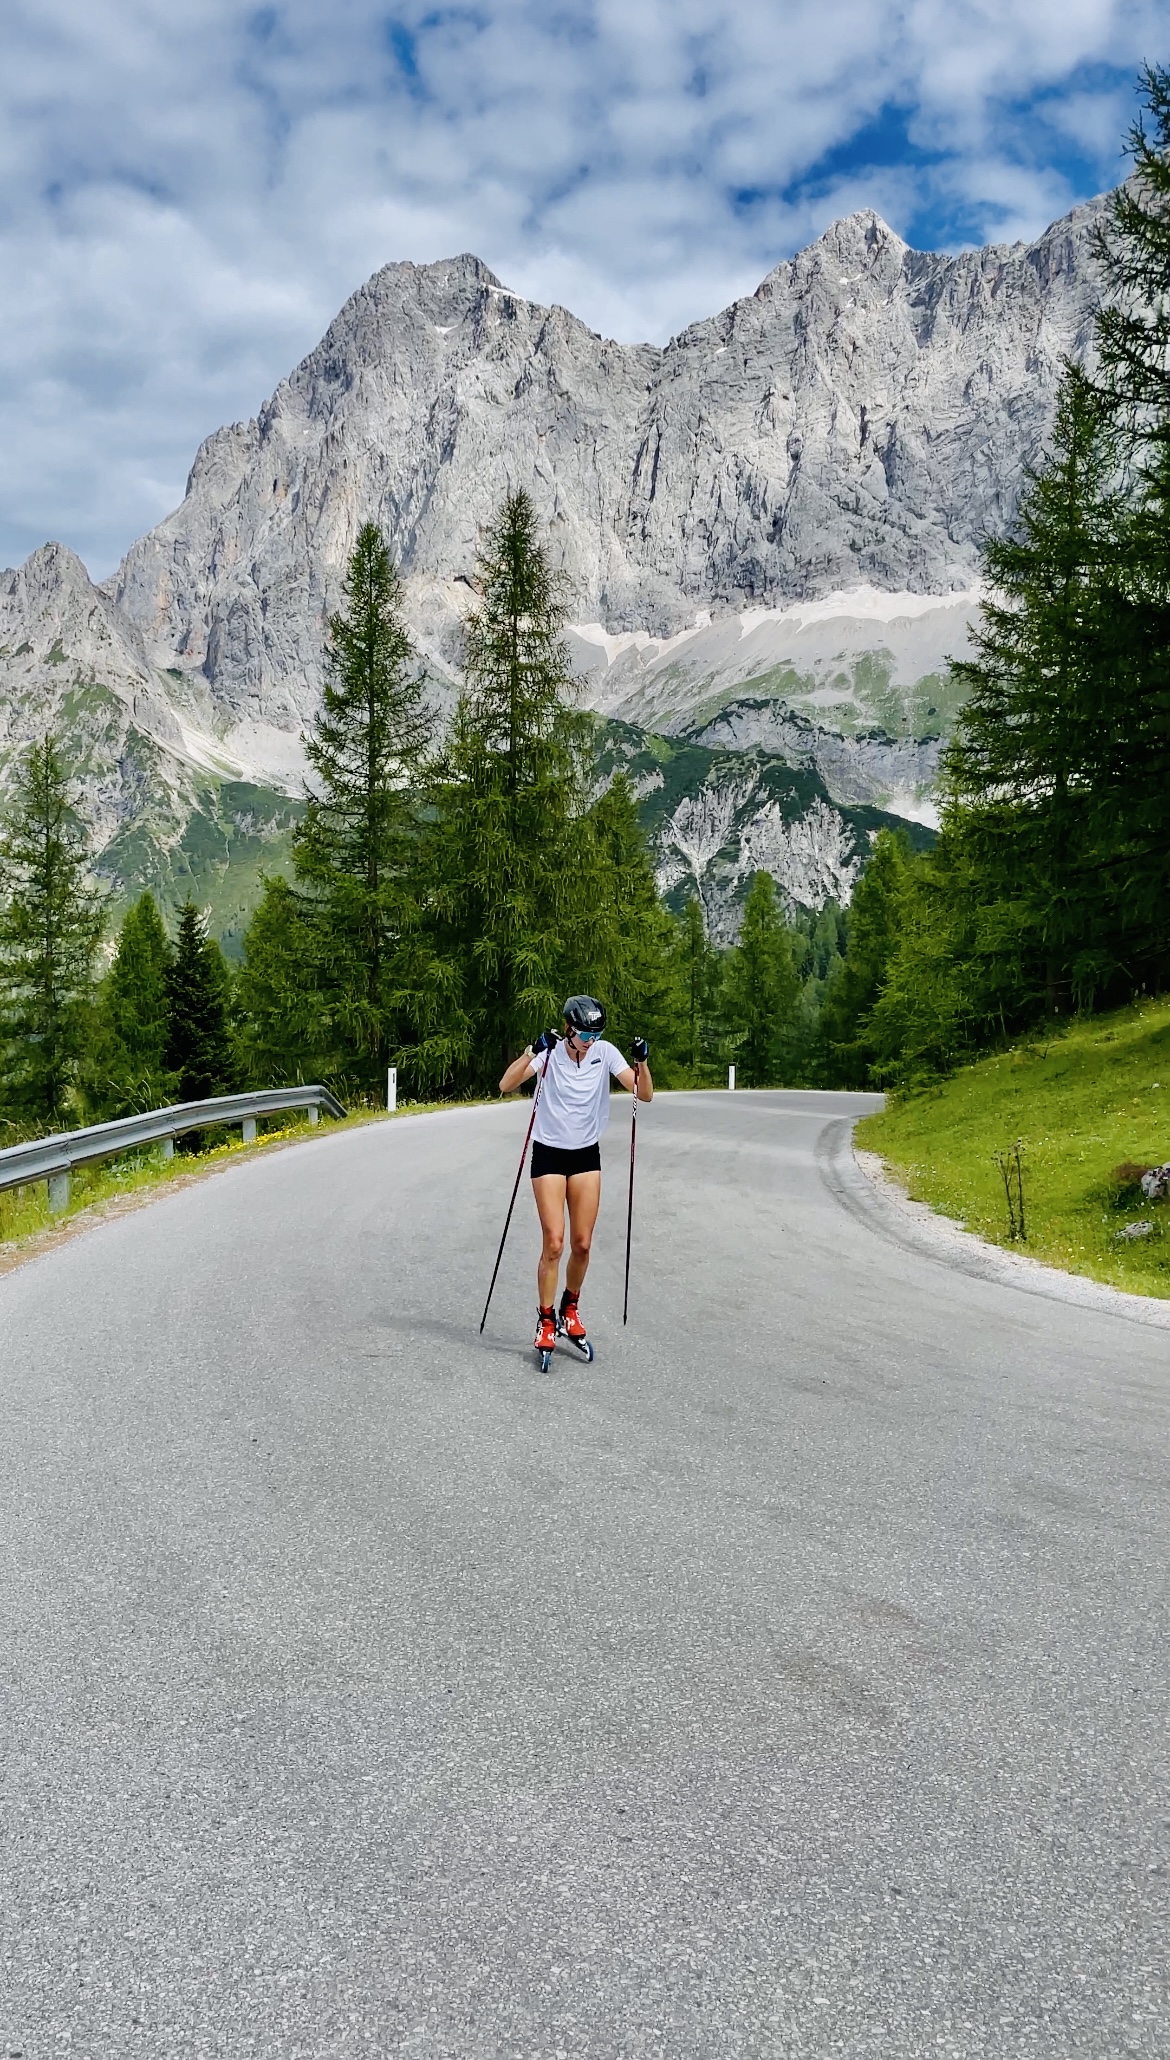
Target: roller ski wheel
<point>571,1328</point>
<point>582,1347</point>
<point>544,1343</point>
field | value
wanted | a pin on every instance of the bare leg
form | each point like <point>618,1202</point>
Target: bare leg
<point>549,1191</point>
<point>584,1202</point>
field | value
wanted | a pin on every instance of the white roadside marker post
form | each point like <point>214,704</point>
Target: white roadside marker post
<point>392,1088</point>
<point>731,1080</point>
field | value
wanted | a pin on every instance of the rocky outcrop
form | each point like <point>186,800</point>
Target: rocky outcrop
<point>715,818</point>
<point>895,773</point>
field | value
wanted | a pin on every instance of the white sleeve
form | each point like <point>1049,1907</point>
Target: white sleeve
<point>616,1062</point>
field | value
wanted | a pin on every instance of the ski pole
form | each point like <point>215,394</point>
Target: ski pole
<point>630,1205</point>
<point>515,1190</point>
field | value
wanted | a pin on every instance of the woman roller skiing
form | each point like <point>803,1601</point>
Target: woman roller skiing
<point>573,1075</point>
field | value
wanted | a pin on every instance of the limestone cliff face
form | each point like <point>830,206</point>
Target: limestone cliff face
<point>770,528</point>
<point>59,633</point>
<point>862,418</point>
<point>894,773</point>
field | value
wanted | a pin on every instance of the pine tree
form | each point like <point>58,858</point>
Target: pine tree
<point>126,1071</point>
<point>872,926</point>
<point>1042,690</point>
<point>286,1033</point>
<point>50,924</point>
<point>199,1050</point>
<point>934,1002</point>
<point>762,988</point>
<point>512,852</point>
<point>356,850</point>
<point>633,960</point>
<point>1132,247</point>
<point>697,978</point>
<point>1131,785</point>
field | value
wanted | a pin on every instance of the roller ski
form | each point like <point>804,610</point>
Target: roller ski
<point>571,1328</point>
<point>544,1344</point>
<point>551,1327</point>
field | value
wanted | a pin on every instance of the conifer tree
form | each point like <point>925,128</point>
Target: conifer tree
<point>935,1000</point>
<point>126,1070</point>
<point>1130,787</point>
<point>762,988</point>
<point>1042,688</point>
<point>872,927</point>
<point>286,1035</point>
<point>697,979</point>
<point>512,848</point>
<point>199,1049</point>
<point>1132,247</point>
<point>356,849</point>
<point>50,924</point>
<point>633,962</point>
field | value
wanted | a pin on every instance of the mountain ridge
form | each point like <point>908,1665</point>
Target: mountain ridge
<point>725,506</point>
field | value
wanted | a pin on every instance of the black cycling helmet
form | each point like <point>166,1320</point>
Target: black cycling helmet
<point>582,1012</point>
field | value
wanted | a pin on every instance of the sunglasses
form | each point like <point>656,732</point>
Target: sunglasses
<point>585,1036</point>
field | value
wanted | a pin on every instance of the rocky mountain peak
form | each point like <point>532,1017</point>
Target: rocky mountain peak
<point>863,418</point>
<point>46,570</point>
<point>862,237</point>
<point>51,614</point>
<point>776,516</point>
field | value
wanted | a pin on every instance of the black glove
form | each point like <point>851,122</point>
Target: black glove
<point>544,1042</point>
<point>641,1050</point>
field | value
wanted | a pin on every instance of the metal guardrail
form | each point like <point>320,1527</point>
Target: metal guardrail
<point>54,1158</point>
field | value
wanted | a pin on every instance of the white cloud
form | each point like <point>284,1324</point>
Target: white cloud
<point>191,189</point>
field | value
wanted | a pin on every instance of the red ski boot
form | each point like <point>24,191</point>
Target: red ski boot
<point>544,1343</point>
<point>570,1326</point>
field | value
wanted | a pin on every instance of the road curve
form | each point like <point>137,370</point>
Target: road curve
<point>792,1681</point>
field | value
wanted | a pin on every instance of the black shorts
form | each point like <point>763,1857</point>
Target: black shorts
<point>552,1158</point>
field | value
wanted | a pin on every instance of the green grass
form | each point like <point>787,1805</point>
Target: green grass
<point>24,1211</point>
<point>1084,1101</point>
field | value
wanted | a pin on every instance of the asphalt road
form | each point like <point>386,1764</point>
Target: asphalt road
<point>792,1681</point>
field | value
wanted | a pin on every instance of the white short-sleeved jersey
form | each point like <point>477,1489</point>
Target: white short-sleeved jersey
<point>574,1099</point>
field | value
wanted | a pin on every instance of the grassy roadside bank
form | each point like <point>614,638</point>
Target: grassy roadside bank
<point>26,1226</point>
<point>1083,1102</point>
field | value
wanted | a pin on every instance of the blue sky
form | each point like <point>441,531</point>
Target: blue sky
<point>189,189</point>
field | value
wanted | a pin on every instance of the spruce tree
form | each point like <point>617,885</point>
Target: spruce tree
<point>632,966</point>
<point>1130,798</point>
<point>50,924</point>
<point>1043,690</point>
<point>512,849</point>
<point>1132,247</point>
<point>126,1070</point>
<point>697,979</point>
<point>356,849</point>
<point>872,927</point>
<point>1131,788</point>
<point>286,1034</point>
<point>935,1000</point>
<point>199,1049</point>
<point>761,988</point>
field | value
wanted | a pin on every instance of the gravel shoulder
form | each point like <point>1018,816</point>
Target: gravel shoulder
<point>865,1185</point>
